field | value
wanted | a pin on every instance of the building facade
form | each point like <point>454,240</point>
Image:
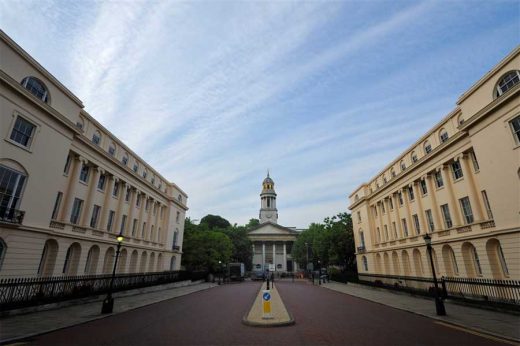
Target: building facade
<point>460,183</point>
<point>68,186</point>
<point>272,243</point>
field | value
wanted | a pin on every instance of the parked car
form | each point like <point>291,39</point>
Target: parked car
<point>257,275</point>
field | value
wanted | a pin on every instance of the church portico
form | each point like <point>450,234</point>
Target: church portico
<point>273,251</point>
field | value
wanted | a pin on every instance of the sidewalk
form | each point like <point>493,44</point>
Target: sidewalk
<point>26,325</point>
<point>499,324</point>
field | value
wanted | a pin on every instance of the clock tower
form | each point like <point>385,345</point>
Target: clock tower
<point>268,211</point>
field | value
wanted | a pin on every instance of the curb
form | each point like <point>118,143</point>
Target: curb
<point>28,336</point>
<point>248,323</point>
<point>473,329</point>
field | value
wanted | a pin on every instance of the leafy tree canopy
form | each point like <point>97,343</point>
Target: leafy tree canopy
<point>215,222</point>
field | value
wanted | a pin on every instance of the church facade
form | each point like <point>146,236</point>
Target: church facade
<point>272,243</point>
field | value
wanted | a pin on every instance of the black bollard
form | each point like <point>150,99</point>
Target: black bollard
<point>267,283</point>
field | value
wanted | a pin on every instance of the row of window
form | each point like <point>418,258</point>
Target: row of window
<point>473,266</point>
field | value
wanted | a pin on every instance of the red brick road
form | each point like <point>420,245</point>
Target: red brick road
<point>213,317</point>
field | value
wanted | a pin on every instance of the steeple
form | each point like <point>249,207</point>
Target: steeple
<point>268,211</point>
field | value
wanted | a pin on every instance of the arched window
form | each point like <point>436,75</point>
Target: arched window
<point>471,260</point>
<point>386,260</point>
<point>443,135</point>
<point>112,149</point>
<point>160,266</point>
<point>427,147</point>
<point>414,156</point>
<point>92,260</point>
<point>108,262</point>
<point>403,165</point>
<point>506,82</point>
<point>497,259</point>
<point>417,262</point>
<point>70,266</point>
<point>362,238</point>
<point>460,120</point>
<point>48,259</point>
<point>395,262</point>
<point>145,173</point>
<point>80,124</point>
<point>144,260</point>
<point>392,172</point>
<point>365,263</point>
<point>379,269</point>
<point>356,198</point>
<point>406,263</point>
<point>3,250</point>
<point>36,87</point>
<point>151,264</point>
<point>121,263</point>
<point>173,263</point>
<point>12,182</point>
<point>124,159</point>
<point>133,262</point>
<point>450,261</point>
<point>96,138</point>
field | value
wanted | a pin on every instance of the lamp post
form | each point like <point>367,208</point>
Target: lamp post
<point>220,271</point>
<point>439,304</point>
<point>108,302</point>
<point>319,272</point>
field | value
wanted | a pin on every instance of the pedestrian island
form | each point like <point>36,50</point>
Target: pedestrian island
<point>268,310</point>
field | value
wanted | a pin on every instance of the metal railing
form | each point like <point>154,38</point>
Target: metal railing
<point>503,292</point>
<point>23,292</point>
<point>11,215</point>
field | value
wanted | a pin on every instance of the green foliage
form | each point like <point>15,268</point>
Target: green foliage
<point>331,243</point>
<point>215,222</point>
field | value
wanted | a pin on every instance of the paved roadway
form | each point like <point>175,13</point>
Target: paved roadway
<point>213,317</point>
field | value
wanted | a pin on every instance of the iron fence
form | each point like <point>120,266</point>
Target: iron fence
<point>502,292</point>
<point>24,292</point>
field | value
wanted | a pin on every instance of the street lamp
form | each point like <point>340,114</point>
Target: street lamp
<point>108,303</point>
<point>220,271</point>
<point>439,304</point>
<point>319,272</point>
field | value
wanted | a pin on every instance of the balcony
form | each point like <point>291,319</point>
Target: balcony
<point>361,249</point>
<point>11,215</point>
<point>176,247</point>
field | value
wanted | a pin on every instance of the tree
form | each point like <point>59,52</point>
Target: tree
<point>202,250</point>
<point>252,223</point>
<point>215,222</point>
<point>242,251</point>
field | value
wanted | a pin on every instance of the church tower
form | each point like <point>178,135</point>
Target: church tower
<point>268,211</point>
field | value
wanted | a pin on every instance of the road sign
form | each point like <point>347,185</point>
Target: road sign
<point>266,304</point>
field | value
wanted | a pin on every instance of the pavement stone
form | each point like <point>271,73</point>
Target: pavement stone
<point>496,323</point>
<point>15,327</point>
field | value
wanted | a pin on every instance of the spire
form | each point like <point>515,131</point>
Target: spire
<point>268,172</point>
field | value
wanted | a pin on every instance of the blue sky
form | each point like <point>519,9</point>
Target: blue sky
<point>212,94</point>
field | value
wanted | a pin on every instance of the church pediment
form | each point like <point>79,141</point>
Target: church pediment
<point>269,228</point>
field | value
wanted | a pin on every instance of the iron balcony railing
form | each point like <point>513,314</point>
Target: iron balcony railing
<point>11,215</point>
<point>361,249</point>
<point>23,292</point>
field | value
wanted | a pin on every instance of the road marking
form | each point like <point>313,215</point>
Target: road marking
<point>487,336</point>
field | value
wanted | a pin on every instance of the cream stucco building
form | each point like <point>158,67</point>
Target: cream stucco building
<point>272,243</point>
<point>68,186</point>
<point>459,182</point>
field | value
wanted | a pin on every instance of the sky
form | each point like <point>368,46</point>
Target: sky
<point>213,94</point>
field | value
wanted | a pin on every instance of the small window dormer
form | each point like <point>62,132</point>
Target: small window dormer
<point>427,147</point>
<point>414,156</point>
<point>443,135</point>
<point>124,159</point>
<point>96,137</point>
<point>506,82</point>
<point>403,165</point>
<point>112,149</point>
<point>36,87</point>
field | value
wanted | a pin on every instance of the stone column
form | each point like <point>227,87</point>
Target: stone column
<point>106,202</point>
<point>141,214</point>
<point>148,219</point>
<point>435,206</point>
<point>92,185</point>
<point>398,224</point>
<point>263,255</point>
<point>284,264</point>
<point>70,193</point>
<point>130,222</point>
<point>119,211</point>
<point>454,205</point>
<point>420,212</point>
<point>409,221</point>
<point>389,219</point>
<point>274,255</point>
<point>157,210</point>
<point>380,216</point>
<point>473,195</point>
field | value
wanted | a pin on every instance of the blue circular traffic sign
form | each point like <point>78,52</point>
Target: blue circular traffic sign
<point>266,296</point>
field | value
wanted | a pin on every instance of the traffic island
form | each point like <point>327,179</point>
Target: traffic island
<point>278,316</point>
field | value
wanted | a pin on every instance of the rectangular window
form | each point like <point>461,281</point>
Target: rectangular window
<point>476,166</point>
<point>359,216</point>
<point>416,223</point>
<point>478,268</point>
<point>391,203</point>
<point>56,208</point>
<point>428,148</point>
<point>134,227</point>
<point>123,223</point>
<point>11,186</point>
<point>138,201</point>
<point>446,216</point>
<point>488,206</point>
<point>424,189</point>
<point>429,217</point>
<point>175,235</point>
<point>95,216</point>
<point>147,206</point>
<point>457,170</point>
<point>116,189</point>
<point>83,175</point>
<point>386,233</point>
<point>410,193</point>
<point>76,211</point>
<point>178,217</point>
<point>101,182</point>
<point>127,196</point>
<point>405,227</point>
<point>438,180</point>
<point>110,221</point>
<point>375,211</point>
<point>515,128</point>
<point>68,161</point>
<point>400,195</point>
<point>143,229</point>
<point>394,228</point>
<point>22,132</point>
<point>383,207</point>
<point>465,205</point>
